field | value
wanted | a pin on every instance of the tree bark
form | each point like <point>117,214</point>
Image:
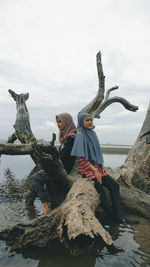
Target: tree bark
<point>12,138</point>
<point>136,169</point>
<point>21,149</point>
<point>73,223</point>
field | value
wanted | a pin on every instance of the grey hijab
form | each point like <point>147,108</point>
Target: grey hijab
<point>86,143</point>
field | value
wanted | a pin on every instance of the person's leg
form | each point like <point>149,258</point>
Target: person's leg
<point>32,193</point>
<point>113,187</point>
<point>30,197</point>
<point>37,190</point>
<point>104,202</point>
<point>39,182</point>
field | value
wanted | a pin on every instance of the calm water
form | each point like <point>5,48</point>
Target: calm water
<point>135,240</point>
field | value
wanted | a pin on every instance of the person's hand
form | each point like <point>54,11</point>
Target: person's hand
<point>98,176</point>
<point>45,208</point>
<point>105,172</point>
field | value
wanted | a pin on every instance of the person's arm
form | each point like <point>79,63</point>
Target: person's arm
<point>103,169</point>
<point>66,150</point>
<point>65,157</point>
<point>86,165</point>
<point>96,173</point>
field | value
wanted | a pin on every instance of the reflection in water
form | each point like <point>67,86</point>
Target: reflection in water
<point>9,259</point>
<point>135,241</point>
<point>11,185</point>
<point>20,166</point>
<point>60,257</point>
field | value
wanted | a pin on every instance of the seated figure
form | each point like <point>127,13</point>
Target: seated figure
<point>67,131</point>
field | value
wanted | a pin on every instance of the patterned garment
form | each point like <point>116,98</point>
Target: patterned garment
<point>84,167</point>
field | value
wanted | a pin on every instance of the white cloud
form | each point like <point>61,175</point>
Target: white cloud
<point>48,49</point>
<point>45,130</point>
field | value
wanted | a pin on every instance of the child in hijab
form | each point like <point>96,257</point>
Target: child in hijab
<point>90,165</point>
<point>67,131</point>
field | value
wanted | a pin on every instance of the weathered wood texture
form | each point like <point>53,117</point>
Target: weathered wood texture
<point>21,149</point>
<point>79,214</point>
<point>12,138</point>
<point>134,174</point>
<point>22,124</point>
<point>136,168</point>
<point>73,223</point>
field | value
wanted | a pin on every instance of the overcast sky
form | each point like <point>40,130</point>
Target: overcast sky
<point>48,48</point>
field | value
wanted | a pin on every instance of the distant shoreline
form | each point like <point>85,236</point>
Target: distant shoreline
<point>109,145</point>
<point>115,149</point>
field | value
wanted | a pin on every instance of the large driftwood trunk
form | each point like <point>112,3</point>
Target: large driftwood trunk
<point>138,159</point>
<point>134,174</point>
<point>73,221</point>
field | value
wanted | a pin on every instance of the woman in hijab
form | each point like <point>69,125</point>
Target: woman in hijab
<point>91,165</point>
<point>67,131</point>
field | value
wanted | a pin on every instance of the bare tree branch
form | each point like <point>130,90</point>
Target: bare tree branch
<point>100,94</point>
<point>98,104</point>
<point>109,91</point>
<point>108,102</point>
<point>21,149</point>
<point>12,138</point>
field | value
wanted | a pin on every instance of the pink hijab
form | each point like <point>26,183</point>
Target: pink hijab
<point>69,127</point>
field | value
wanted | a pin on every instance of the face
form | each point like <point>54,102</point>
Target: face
<point>59,124</point>
<point>88,122</point>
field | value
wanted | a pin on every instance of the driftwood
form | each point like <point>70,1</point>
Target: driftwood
<point>100,101</point>
<point>22,149</point>
<point>134,175</point>
<point>72,221</point>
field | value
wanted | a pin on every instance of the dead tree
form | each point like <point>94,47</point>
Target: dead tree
<point>73,220</point>
<point>134,174</point>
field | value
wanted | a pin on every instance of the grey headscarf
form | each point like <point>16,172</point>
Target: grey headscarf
<point>86,143</point>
